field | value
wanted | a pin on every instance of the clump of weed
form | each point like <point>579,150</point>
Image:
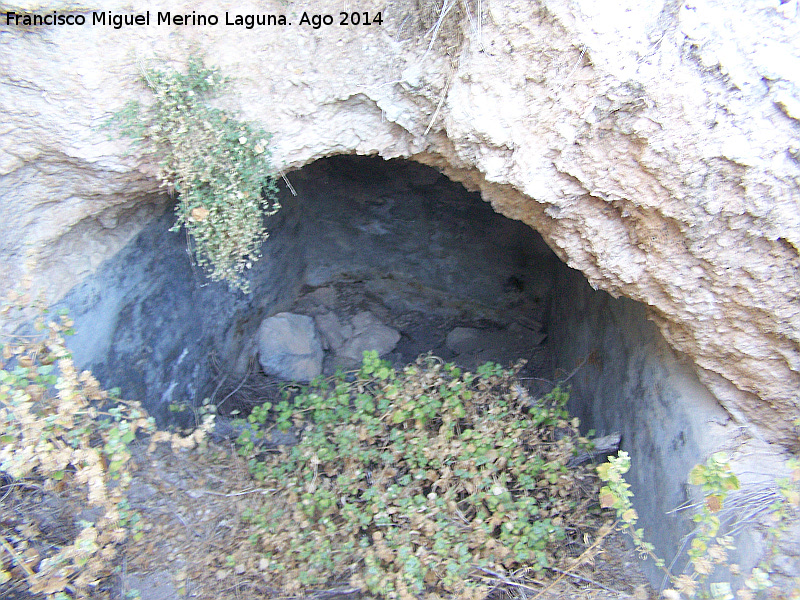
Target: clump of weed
<point>63,444</point>
<point>710,543</point>
<point>418,480</point>
<point>219,167</point>
<point>65,461</point>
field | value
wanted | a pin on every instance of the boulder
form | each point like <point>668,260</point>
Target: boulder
<point>368,334</point>
<point>289,347</point>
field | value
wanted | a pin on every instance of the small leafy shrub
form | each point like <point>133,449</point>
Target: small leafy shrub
<point>709,548</point>
<point>219,167</point>
<point>64,441</point>
<point>616,494</point>
<point>706,548</point>
<point>407,481</point>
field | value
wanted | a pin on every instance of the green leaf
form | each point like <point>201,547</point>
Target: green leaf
<point>629,516</point>
<point>697,475</point>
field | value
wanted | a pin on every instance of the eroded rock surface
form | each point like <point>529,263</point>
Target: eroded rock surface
<point>654,146</point>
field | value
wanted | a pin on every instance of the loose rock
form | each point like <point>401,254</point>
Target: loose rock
<point>332,332</point>
<point>369,334</point>
<point>289,347</point>
<point>463,339</point>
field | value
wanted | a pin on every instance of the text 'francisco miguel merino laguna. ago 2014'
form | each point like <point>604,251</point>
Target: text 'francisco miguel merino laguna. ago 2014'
<point>117,21</point>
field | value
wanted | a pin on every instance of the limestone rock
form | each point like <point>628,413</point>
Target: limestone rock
<point>289,347</point>
<point>368,334</point>
<point>654,147</point>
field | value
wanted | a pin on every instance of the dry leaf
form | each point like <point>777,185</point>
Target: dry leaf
<point>714,503</point>
<point>199,214</point>
<point>607,500</point>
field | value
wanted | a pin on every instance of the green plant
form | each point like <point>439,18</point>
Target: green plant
<point>716,479</point>
<point>709,548</point>
<point>219,167</point>
<point>408,481</point>
<point>65,440</point>
<point>616,494</point>
<point>64,443</point>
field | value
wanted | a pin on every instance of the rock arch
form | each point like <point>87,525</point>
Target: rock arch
<point>654,148</point>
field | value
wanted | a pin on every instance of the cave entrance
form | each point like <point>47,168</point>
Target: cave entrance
<point>399,259</point>
<point>394,253</point>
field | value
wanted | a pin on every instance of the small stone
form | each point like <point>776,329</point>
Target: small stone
<point>369,335</point>
<point>464,339</point>
<point>289,347</point>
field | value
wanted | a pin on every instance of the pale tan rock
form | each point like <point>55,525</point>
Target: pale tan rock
<point>656,150</point>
